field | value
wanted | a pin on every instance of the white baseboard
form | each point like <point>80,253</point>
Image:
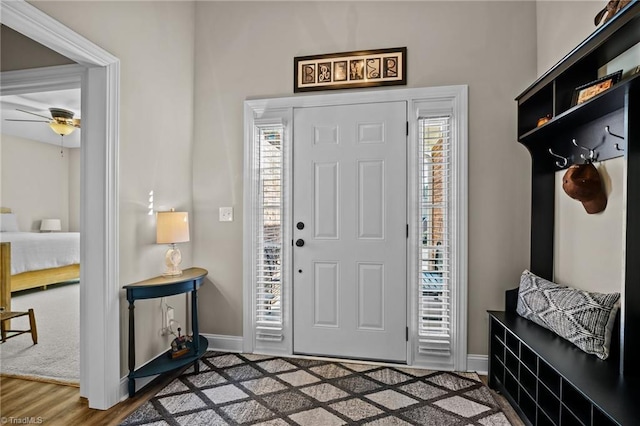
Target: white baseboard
<point>478,363</point>
<point>140,383</point>
<point>222,343</point>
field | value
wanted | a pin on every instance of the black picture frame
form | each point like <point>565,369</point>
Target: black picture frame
<point>587,91</point>
<point>355,69</point>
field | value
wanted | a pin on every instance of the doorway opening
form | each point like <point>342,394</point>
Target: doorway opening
<point>99,296</point>
<point>41,188</point>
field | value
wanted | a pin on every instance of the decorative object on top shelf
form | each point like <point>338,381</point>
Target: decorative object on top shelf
<point>587,91</point>
<point>582,182</point>
<point>50,225</point>
<point>365,68</point>
<point>172,227</point>
<point>612,7</point>
<point>543,120</point>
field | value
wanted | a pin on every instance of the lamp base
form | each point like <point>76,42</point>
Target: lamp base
<point>172,259</point>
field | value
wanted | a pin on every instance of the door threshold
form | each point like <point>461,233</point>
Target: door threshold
<point>347,360</point>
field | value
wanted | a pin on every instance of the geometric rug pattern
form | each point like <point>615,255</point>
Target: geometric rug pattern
<point>247,389</point>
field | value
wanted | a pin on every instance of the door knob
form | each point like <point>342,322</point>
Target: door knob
<point>299,242</point>
<point>300,225</point>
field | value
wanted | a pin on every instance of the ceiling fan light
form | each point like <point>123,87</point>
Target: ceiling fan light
<point>63,129</point>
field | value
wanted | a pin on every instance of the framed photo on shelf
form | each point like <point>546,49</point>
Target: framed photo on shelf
<point>364,68</point>
<point>587,91</point>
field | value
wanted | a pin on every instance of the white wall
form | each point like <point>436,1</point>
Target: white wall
<point>35,182</point>
<point>588,249</point>
<point>154,42</point>
<point>246,49</point>
<point>561,26</point>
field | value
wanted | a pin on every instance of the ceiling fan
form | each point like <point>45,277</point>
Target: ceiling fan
<point>61,122</point>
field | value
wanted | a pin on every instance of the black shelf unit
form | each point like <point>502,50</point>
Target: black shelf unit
<point>547,379</point>
<point>550,95</point>
<point>619,109</point>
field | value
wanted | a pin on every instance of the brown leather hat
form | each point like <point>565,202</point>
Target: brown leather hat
<point>582,182</point>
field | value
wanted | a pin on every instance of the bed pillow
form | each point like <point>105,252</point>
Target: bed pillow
<point>8,222</point>
<point>585,319</point>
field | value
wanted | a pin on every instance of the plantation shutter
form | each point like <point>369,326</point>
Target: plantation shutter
<point>269,226</point>
<point>434,311</point>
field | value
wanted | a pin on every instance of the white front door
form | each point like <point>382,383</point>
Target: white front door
<point>349,229</point>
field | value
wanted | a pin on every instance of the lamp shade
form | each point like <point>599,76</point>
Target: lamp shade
<point>50,225</point>
<point>172,227</point>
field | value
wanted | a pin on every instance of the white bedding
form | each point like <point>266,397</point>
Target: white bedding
<point>32,251</point>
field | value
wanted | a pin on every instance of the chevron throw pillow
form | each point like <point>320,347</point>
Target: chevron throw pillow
<point>585,319</point>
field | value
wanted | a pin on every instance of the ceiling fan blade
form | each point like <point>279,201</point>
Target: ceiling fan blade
<point>76,122</point>
<point>31,121</point>
<point>33,113</point>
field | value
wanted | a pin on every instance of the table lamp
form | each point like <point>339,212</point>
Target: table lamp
<point>50,225</point>
<point>172,227</point>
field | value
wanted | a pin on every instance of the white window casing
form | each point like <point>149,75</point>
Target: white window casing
<point>267,227</point>
<point>438,226</point>
<point>437,317</point>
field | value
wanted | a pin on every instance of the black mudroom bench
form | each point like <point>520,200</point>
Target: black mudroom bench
<point>549,381</point>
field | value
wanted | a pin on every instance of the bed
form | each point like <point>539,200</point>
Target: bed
<point>37,259</point>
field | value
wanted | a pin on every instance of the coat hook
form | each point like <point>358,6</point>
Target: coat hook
<point>559,163</point>
<point>591,152</point>
<point>606,129</point>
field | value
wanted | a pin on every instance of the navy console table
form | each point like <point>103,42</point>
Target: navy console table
<point>190,280</point>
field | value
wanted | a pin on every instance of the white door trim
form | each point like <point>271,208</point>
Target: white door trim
<point>257,109</point>
<point>100,85</point>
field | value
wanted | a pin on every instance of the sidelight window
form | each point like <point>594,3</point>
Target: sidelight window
<point>269,228</point>
<point>434,295</point>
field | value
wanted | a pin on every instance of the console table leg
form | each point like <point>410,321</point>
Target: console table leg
<point>195,328</point>
<point>132,349</point>
<point>132,387</point>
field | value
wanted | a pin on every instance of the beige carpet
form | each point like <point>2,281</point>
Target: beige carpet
<point>56,357</point>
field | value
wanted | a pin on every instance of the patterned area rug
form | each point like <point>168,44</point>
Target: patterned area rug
<point>246,389</point>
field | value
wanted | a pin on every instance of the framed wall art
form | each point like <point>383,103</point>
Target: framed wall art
<point>364,68</point>
<point>587,91</point>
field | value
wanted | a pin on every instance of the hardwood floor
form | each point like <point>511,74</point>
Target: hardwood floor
<point>52,404</point>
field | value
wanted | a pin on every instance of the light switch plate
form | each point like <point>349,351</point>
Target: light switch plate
<point>226,214</point>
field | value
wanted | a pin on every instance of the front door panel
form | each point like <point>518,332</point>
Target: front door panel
<point>350,257</point>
